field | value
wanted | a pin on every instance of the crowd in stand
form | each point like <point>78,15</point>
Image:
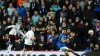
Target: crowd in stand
<point>55,23</point>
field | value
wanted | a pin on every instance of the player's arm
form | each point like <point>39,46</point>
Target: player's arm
<point>11,26</point>
<point>26,35</point>
<point>32,37</point>
<point>21,33</point>
<point>63,40</point>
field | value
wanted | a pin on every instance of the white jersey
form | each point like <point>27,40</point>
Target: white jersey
<point>29,35</point>
<point>14,30</point>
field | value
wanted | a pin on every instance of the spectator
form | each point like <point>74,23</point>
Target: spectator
<point>74,14</point>
<point>41,23</point>
<point>66,12</point>
<point>43,20</point>
<point>64,20</point>
<point>8,21</point>
<point>14,2</point>
<point>26,4</point>
<point>91,38</point>
<point>89,3</point>
<point>27,16</point>
<point>50,13</point>
<point>51,26</point>
<point>1,14</point>
<point>30,0</point>
<point>4,24</point>
<point>53,37</point>
<point>19,2</point>
<point>97,2</point>
<point>19,22</point>
<point>61,2</point>
<point>60,19</point>
<point>41,44</point>
<point>39,1</point>
<point>70,7</point>
<point>41,27</point>
<point>28,24</point>
<point>54,19</point>
<point>56,7</point>
<point>1,3</point>
<point>33,7</point>
<point>79,9</point>
<point>90,48</point>
<point>60,30</point>
<point>10,10</point>
<point>82,4</point>
<point>69,23</point>
<point>4,40</point>
<point>51,45</point>
<point>97,28</point>
<point>21,10</point>
<point>43,9</point>
<point>64,25</point>
<point>35,17</point>
<point>67,3</point>
<point>6,4</point>
<point>68,32</point>
<point>88,16</point>
<point>5,15</point>
<point>15,16</point>
<point>18,45</point>
<point>12,22</point>
<point>97,48</point>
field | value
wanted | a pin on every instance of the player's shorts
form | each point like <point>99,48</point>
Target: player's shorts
<point>64,49</point>
<point>28,47</point>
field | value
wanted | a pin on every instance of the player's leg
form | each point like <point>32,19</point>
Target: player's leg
<point>67,54</point>
<point>70,50</point>
<point>12,41</point>
<point>63,50</point>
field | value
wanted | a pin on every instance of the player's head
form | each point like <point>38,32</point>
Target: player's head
<point>33,28</point>
<point>64,31</point>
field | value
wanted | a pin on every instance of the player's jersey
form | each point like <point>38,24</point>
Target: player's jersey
<point>29,35</point>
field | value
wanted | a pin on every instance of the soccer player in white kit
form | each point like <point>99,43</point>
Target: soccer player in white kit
<point>29,39</point>
<point>13,33</point>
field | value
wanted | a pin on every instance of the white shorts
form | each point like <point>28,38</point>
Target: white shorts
<point>64,49</point>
